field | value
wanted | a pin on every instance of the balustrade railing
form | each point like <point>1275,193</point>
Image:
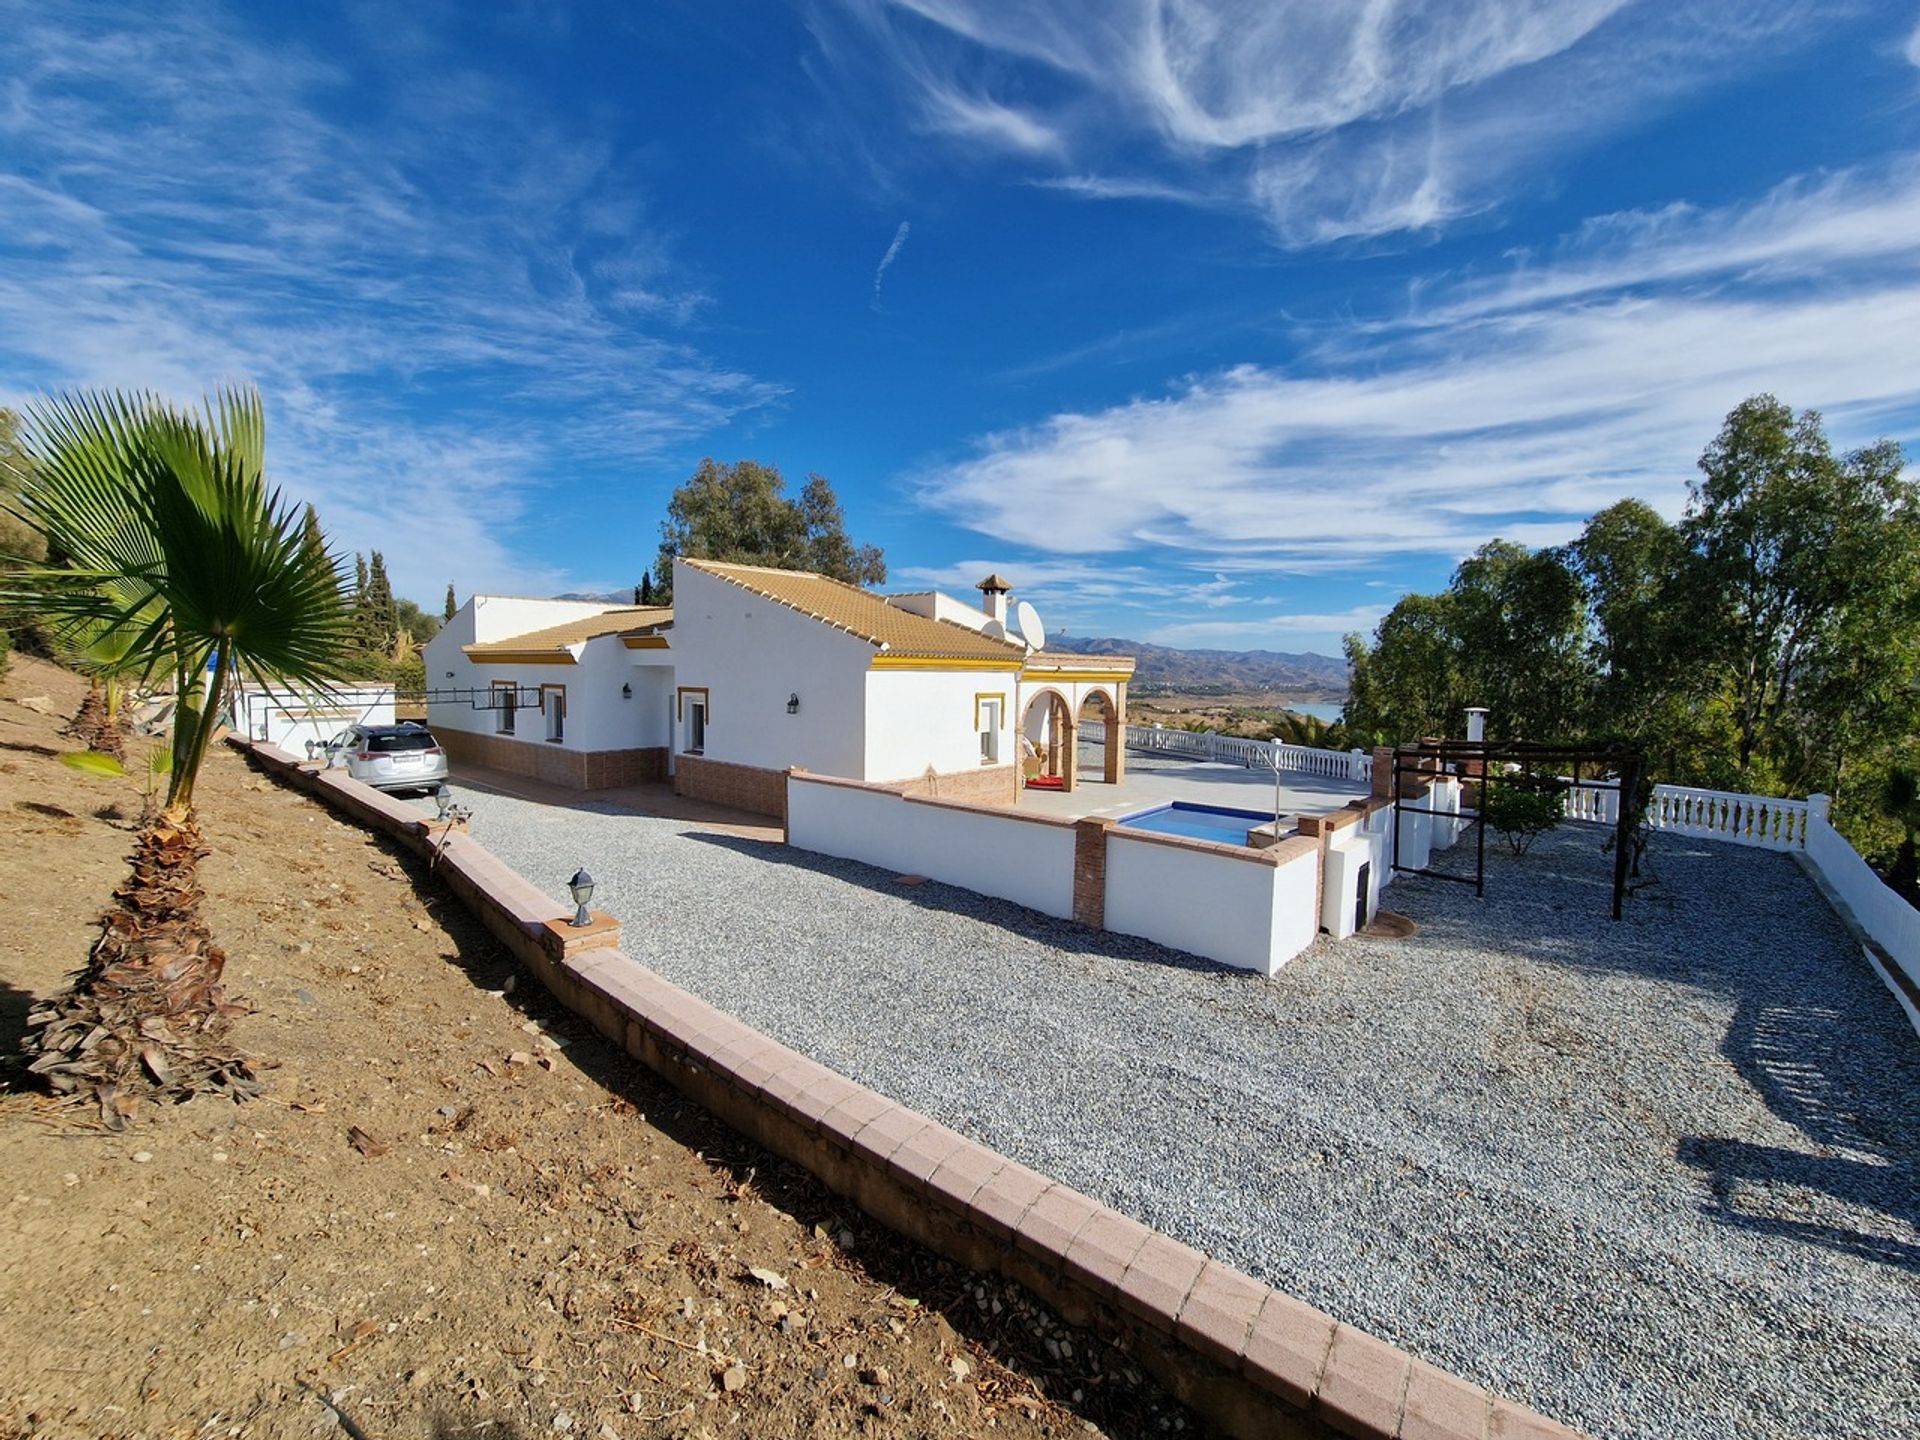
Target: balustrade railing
<point>1763,820</point>
<point>1239,750</point>
<point>1766,821</point>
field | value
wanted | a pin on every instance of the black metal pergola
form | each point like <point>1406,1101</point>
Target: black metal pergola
<point>1482,763</point>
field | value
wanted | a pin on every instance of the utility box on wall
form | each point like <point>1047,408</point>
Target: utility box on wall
<point>1350,894</point>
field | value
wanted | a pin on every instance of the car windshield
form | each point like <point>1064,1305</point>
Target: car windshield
<point>400,740</point>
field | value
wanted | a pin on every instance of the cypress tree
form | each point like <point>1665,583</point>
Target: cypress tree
<point>383,617</point>
<point>363,636</point>
<point>451,606</point>
<point>313,545</point>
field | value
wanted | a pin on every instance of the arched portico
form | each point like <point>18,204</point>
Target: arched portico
<point>1048,735</point>
<point>1103,706</point>
<point>1056,706</point>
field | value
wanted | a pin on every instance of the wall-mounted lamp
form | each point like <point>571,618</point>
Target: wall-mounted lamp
<point>449,674</point>
<point>581,888</point>
<point>793,703</point>
<point>626,692</point>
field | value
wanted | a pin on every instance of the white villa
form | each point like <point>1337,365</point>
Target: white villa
<point>756,671</point>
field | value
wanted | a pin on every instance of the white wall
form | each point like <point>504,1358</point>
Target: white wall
<point>1029,862</point>
<point>448,669</point>
<point>290,718</point>
<point>924,718</point>
<point>598,717</point>
<point>1244,913</point>
<point>937,606</point>
<point>1880,911</point>
<point>751,654</point>
<point>501,617</point>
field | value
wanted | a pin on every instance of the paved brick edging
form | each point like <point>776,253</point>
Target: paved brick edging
<point>1253,1361</point>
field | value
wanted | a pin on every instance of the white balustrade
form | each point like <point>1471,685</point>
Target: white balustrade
<point>1238,750</point>
<point>1767,821</point>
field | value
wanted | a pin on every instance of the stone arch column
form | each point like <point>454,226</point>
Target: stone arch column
<point>1116,738</point>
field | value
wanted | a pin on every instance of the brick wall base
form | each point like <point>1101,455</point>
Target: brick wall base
<point>989,785</point>
<point>743,787</point>
<point>555,764</point>
<point>1090,871</point>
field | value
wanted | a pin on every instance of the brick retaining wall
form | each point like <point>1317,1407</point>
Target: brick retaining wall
<point>989,785</point>
<point>1253,1361</point>
<point>555,764</point>
<point>743,787</point>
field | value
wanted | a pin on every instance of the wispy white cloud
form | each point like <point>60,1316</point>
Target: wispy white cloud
<point>978,117</point>
<point>1912,48</point>
<point>1513,405</point>
<point>893,253</point>
<point>1331,122</point>
<point>161,230</point>
<point>1124,187</point>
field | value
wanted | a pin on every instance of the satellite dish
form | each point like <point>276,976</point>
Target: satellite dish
<point>1031,630</point>
<point>994,630</point>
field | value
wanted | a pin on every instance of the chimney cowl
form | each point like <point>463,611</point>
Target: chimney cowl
<point>993,596</point>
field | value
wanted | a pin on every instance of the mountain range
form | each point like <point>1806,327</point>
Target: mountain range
<point>1162,667</point>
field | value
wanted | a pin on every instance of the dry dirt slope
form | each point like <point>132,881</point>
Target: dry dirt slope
<point>536,1238</point>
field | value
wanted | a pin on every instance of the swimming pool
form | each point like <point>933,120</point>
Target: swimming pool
<point>1198,822</point>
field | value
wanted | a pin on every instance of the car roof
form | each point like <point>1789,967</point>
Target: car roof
<point>406,727</point>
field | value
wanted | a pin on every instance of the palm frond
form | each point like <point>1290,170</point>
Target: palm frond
<point>172,542</point>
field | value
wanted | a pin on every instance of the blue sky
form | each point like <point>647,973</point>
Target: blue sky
<point>1212,324</point>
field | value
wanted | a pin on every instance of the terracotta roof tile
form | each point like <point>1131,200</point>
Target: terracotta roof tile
<point>863,614</point>
<point>627,619</point>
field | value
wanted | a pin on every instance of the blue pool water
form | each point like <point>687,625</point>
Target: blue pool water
<point>1197,822</point>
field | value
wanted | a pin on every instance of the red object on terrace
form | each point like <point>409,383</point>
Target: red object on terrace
<point>1046,782</point>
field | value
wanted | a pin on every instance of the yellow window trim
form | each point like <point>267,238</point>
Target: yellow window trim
<point>680,701</point>
<point>984,696</point>
<point>887,661</point>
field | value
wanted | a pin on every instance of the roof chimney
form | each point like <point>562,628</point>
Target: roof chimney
<point>994,591</point>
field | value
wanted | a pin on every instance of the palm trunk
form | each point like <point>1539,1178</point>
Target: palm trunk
<point>148,1012</point>
<point>94,725</point>
<point>196,732</point>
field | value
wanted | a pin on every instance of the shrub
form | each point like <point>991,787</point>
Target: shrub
<point>1523,808</point>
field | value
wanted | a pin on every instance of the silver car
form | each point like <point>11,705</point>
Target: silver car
<point>390,757</point>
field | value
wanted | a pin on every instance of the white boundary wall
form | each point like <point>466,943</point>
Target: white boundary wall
<point>1892,923</point>
<point>1250,914</point>
<point>1027,861</point>
<point>290,718</point>
<point>1243,910</point>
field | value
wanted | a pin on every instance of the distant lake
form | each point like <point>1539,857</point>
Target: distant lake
<point>1319,711</point>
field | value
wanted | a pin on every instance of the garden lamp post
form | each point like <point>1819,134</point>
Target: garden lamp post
<point>581,888</point>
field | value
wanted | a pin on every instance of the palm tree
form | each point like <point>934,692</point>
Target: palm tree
<point>98,650</point>
<point>173,542</point>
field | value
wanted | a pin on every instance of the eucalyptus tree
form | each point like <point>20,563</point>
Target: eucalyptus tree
<point>1807,563</point>
<point>170,537</point>
<point>741,513</point>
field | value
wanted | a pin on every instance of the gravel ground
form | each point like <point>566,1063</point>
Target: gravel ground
<point>1656,1178</point>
